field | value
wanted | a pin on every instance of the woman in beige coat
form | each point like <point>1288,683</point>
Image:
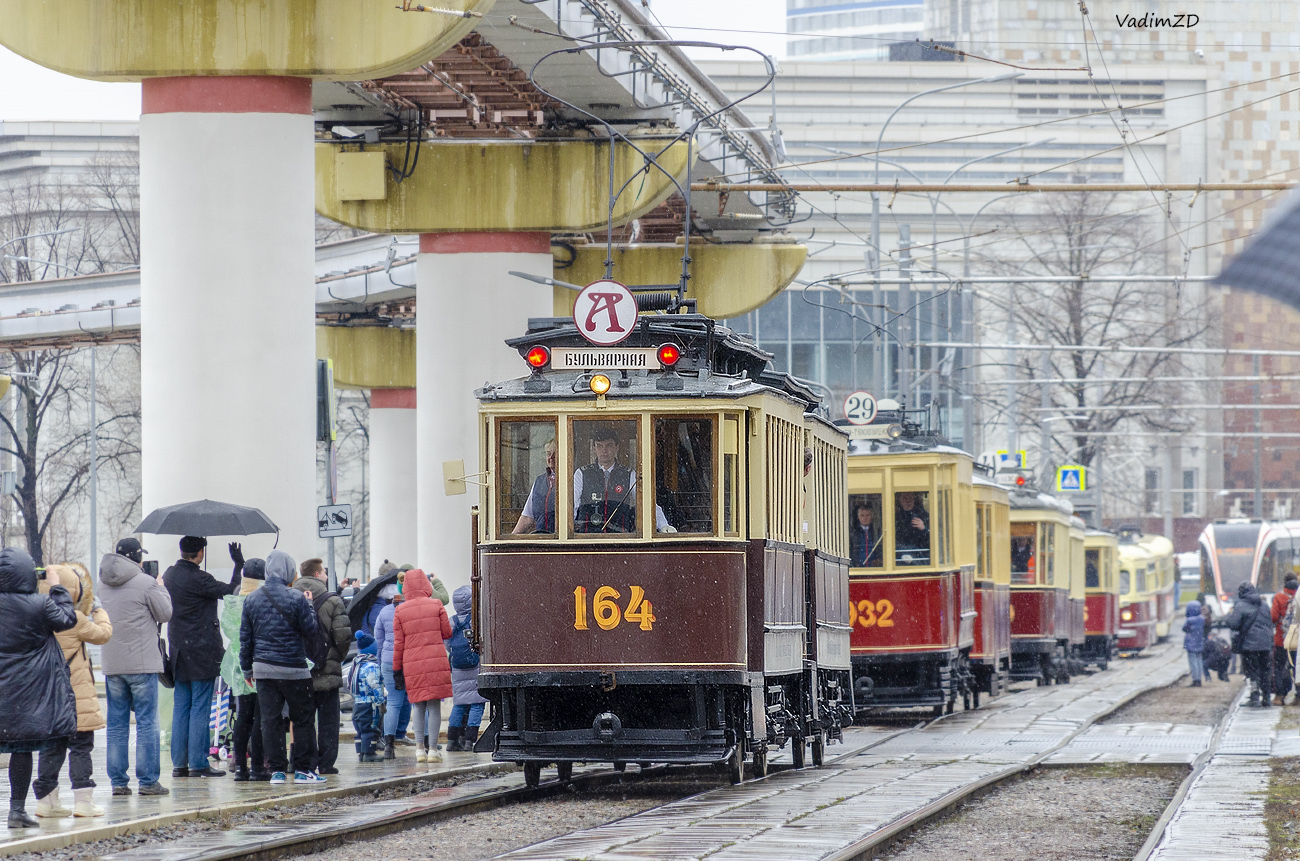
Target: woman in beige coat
<point>93,626</point>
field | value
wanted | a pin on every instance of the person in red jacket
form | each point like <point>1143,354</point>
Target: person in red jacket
<point>420,625</point>
<point>1281,658</point>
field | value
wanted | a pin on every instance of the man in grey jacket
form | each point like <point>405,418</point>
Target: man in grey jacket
<point>138,604</point>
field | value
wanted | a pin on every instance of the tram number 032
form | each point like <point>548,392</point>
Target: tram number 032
<point>607,614</point>
<point>868,613</point>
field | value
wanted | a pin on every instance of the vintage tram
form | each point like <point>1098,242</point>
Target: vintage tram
<point>912,580</point>
<point>661,568</point>
<point>1101,616</point>
<point>990,657</point>
<point>1137,595</point>
<point>1166,583</point>
<point>1041,589</point>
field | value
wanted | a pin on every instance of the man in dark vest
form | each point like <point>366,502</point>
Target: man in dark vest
<point>538,515</point>
<point>604,492</point>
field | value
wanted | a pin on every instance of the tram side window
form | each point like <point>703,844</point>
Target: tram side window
<point>1092,568</point>
<point>526,480</point>
<point>866,537</point>
<point>1125,581</point>
<point>684,474</point>
<point>981,534</point>
<point>605,476</point>
<point>1024,554</point>
<point>911,528</point>
<point>731,475</point>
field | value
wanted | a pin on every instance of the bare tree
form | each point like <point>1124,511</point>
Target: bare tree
<point>1094,393</point>
<point>352,451</point>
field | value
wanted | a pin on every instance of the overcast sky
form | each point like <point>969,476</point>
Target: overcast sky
<point>31,92</point>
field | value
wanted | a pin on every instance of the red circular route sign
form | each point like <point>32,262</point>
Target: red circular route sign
<point>605,313</point>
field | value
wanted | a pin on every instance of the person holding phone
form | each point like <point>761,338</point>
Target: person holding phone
<point>139,604</point>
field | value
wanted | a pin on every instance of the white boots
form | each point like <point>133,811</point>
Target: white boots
<point>85,805</point>
<point>50,807</point>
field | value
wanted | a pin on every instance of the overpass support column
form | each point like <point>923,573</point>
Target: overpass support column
<point>468,306</point>
<point>392,477</point>
<point>227,299</point>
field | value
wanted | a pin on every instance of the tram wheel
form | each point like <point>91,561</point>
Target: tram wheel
<point>566,771</point>
<point>797,751</point>
<point>975,698</point>
<point>532,774</point>
<point>819,749</point>
<point>760,762</point>
<point>937,711</point>
<point>620,766</point>
<point>736,764</point>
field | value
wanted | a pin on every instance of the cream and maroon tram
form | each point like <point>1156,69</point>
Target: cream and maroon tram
<point>912,580</point>
<point>1138,614</point>
<point>661,571</point>
<point>1041,605</point>
<point>1101,617</point>
<point>990,657</point>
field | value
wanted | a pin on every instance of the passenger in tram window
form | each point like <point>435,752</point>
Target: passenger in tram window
<point>1091,573</point>
<point>911,530</point>
<point>604,492</point>
<point>865,537</point>
<point>538,515</point>
<point>1022,559</point>
<point>683,468</point>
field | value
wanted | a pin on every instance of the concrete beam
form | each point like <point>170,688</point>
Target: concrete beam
<point>368,357</point>
<point>518,186</point>
<point>726,280</point>
<point>126,40</point>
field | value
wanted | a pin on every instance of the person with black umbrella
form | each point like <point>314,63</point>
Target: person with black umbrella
<point>196,652</point>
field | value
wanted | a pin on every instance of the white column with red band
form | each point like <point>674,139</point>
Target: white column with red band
<point>227,299</point>
<point>392,446</point>
<point>469,305</point>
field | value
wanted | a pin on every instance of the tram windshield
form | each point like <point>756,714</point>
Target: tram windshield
<point>1125,581</point>
<point>605,476</point>
<point>911,528</point>
<point>684,473</point>
<point>526,478</point>
<point>866,535</point>
<point>1024,554</point>
<point>1092,568</point>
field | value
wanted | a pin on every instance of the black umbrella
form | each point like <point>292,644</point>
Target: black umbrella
<point>204,518</point>
<point>366,597</point>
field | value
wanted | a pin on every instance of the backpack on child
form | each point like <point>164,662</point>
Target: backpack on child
<point>459,651</point>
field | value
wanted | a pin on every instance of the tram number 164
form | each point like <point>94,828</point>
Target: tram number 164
<point>869,613</point>
<point>607,614</point>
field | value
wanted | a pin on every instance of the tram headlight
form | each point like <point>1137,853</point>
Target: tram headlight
<point>1126,615</point>
<point>599,384</point>
<point>894,431</point>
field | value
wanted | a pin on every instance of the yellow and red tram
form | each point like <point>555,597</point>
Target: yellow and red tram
<point>1138,614</point>
<point>990,656</point>
<point>912,584</point>
<point>1101,617</point>
<point>1040,587</point>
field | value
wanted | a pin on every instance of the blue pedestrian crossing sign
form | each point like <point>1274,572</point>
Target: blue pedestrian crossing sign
<point>1071,478</point>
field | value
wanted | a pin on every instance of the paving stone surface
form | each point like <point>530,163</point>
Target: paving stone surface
<point>814,813</point>
<point>1222,815</point>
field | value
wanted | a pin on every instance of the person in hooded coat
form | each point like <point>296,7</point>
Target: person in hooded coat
<point>420,625</point>
<point>37,707</point>
<point>248,724</point>
<point>467,705</point>
<point>93,627</point>
<point>1283,661</point>
<point>277,622</point>
<point>139,604</point>
<point>1194,641</point>
<point>1252,628</point>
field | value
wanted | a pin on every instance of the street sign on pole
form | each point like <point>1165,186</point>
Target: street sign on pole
<point>1012,460</point>
<point>1071,478</point>
<point>334,521</point>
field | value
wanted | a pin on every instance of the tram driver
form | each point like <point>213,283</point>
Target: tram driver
<point>864,537</point>
<point>604,492</point>
<point>538,515</point>
<point>911,530</point>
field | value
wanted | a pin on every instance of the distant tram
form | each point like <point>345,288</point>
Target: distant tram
<point>1101,617</point>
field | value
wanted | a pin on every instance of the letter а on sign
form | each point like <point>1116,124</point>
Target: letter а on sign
<point>605,313</point>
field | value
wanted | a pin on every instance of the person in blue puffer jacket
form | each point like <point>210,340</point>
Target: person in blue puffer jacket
<point>1194,641</point>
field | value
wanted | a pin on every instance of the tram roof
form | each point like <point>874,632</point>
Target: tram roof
<point>1025,499</point>
<point>716,362</point>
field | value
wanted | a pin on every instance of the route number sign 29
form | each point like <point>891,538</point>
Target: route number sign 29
<point>860,408</point>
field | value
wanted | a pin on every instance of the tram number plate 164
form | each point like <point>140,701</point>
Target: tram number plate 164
<point>606,612</point>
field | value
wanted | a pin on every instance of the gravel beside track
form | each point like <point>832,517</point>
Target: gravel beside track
<point>483,835</point>
<point>1180,704</point>
<point>1094,813</point>
<point>267,816</point>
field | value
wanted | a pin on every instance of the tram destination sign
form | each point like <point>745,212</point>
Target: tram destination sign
<point>605,358</point>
